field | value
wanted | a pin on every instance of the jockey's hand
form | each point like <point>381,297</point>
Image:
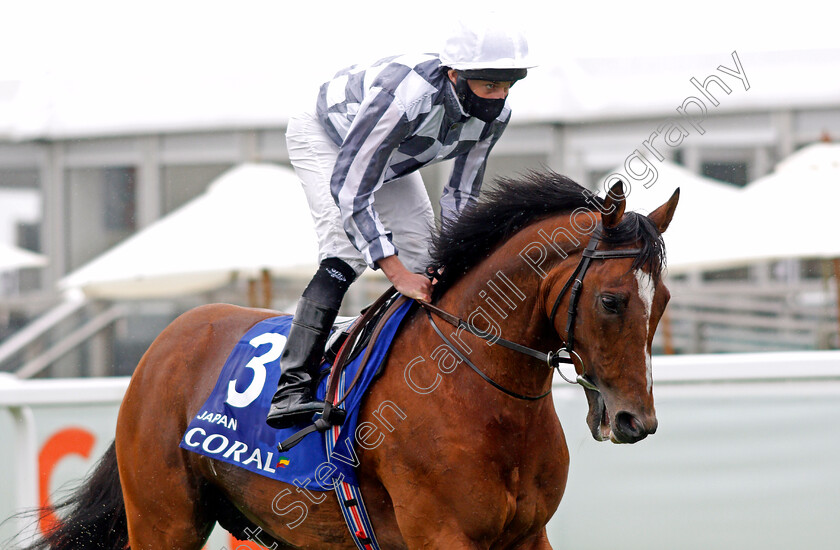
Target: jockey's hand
<point>413,285</point>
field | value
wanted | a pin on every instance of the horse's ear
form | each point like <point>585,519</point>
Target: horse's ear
<point>614,205</point>
<point>661,217</point>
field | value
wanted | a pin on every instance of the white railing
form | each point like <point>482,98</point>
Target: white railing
<point>741,316</point>
<point>745,454</point>
<point>72,323</point>
<point>73,303</point>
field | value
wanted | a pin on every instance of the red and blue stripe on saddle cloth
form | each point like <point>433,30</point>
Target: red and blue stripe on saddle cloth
<point>349,495</point>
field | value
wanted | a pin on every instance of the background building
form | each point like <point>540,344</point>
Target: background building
<point>112,117</point>
<point>82,181</point>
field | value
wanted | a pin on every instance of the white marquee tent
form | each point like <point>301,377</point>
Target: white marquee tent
<point>792,213</point>
<point>252,218</point>
<point>255,217</point>
<point>693,238</point>
<point>787,214</point>
<point>12,258</point>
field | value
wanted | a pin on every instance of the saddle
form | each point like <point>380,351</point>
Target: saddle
<point>340,331</point>
<point>349,338</point>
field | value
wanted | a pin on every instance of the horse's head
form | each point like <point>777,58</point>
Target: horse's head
<point>611,320</point>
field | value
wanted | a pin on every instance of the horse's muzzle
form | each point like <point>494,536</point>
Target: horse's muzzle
<point>628,428</point>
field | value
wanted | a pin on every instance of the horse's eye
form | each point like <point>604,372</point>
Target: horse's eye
<point>611,303</point>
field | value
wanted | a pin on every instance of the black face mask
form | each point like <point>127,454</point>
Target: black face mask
<point>483,109</point>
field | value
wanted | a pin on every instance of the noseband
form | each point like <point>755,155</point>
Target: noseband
<point>553,358</point>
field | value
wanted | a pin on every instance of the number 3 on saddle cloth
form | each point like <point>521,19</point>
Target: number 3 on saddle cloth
<point>231,427</point>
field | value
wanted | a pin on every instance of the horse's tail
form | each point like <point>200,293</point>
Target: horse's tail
<point>93,516</point>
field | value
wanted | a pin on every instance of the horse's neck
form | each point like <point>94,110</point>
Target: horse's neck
<point>512,284</point>
<point>506,295</point>
<point>496,295</point>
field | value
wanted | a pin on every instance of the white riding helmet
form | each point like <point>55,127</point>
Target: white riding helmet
<point>474,47</point>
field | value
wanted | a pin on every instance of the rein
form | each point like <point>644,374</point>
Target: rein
<point>552,359</point>
<point>460,323</point>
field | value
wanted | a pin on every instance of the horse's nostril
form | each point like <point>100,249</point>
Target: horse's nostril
<point>629,426</point>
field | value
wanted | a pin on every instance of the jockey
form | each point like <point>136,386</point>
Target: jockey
<point>357,157</point>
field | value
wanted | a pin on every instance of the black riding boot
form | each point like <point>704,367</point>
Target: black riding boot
<point>294,401</point>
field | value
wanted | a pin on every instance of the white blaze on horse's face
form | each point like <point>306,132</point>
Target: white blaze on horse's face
<point>647,288</point>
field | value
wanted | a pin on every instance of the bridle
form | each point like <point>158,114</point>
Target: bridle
<point>575,281</point>
<point>553,358</point>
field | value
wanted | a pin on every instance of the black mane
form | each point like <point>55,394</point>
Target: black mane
<point>516,203</point>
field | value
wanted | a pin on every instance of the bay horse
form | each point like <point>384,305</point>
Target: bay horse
<point>467,464</point>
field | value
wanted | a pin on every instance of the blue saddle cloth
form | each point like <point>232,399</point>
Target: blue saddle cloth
<point>231,427</point>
